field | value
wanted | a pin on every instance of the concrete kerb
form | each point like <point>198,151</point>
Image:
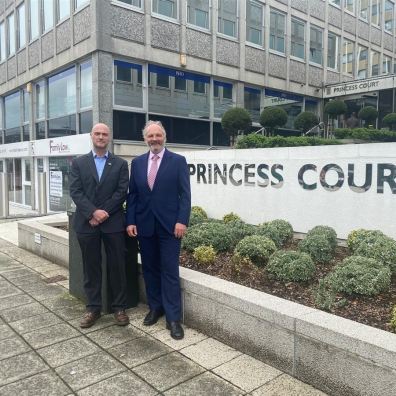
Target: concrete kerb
<point>334,354</point>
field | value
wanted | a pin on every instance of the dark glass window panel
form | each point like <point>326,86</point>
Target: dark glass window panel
<point>40,130</point>
<point>184,130</point>
<point>124,73</point>
<point>385,105</point>
<point>227,92</point>
<point>128,126</point>
<point>62,164</point>
<point>180,84</point>
<point>26,133</point>
<point>86,122</point>
<point>12,135</point>
<point>162,80</point>
<point>28,176</point>
<point>63,126</point>
<point>220,138</point>
<point>199,87</point>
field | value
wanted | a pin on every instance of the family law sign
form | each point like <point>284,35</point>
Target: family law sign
<point>345,187</point>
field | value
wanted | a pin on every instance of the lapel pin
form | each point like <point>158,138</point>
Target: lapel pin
<point>109,163</point>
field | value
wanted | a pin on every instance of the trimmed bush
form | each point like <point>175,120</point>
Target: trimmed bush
<point>204,254</point>
<point>273,117</point>
<point>231,217</point>
<point>291,266</point>
<point>377,135</point>
<point>328,232</point>
<point>199,210</point>
<point>197,216</point>
<point>240,264</point>
<point>324,295</point>
<point>393,319</point>
<point>318,247</point>
<point>369,114</point>
<point>257,248</point>
<point>234,120</point>
<point>390,121</point>
<point>280,231</point>
<point>359,236</point>
<point>215,234</point>
<point>334,108</point>
<point>305,121</point>
<point>360,275</point>
<point>240,230</point>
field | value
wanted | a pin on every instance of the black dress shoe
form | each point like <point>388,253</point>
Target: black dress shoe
<point>176,330</point>
<point>152,317</point>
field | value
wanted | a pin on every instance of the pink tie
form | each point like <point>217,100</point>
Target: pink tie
<point>153,171</point>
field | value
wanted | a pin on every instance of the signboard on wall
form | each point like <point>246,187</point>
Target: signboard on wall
<point>15,150</point>
<point>55,184</point>
<point>62,146</point>
<point>345,187</point>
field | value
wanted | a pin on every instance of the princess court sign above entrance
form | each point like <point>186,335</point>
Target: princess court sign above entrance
<point>359,86</point>
<point>345,187</point>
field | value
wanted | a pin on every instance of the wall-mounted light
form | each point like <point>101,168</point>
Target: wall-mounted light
<point>29,87</point>
<point>183,60</point>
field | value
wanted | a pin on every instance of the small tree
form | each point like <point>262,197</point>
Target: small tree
<point>235,120</point>
<point>390,121</point>
<point>305,121</point>
<point>273,118</point>
<point>368,114</point>
<point>335,108</point>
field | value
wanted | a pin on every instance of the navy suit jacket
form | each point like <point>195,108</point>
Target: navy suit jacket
<point>170,200</point>
<point>89,194</point>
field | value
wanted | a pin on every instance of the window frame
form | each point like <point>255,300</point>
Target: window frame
<point>57,12</point>
<point>11,34</point>
<point>262,25</point>
<point>337,51</point>
<point>274,11</point>
<point>236,22</point>
<point>163,16</point>
<point>45,29</point>
<point>303,24</point>
<point>18,13</point>
<point>318,30</point>
<point>195,26</point>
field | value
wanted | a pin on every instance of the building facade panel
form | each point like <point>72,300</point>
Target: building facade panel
<point>47,46</point>
<point>375,36</point>
<point>297,72</point>
<point>317,8</point>
<point>349,23</point>
<point>3,73</point>
<point>9,3</point>
<point>2,6</point>
<point>21,61</point>
<point>34,54</point>
<point>315,76</point>
<point>255,59</point>
<point>165,35</point>
<point>363,30</point>
<point>335,17</point>
<point>301,5</point>
<point>387,40</point>
<point>332,77</point>
<point>277,66</point>
<point>82,25</point>
<point>63,36</point>
<point>198,44</point>
<point>227,52</point>
<point>127,24</point>
<point>11,68</point>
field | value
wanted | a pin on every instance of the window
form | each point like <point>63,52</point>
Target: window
<point>198,13</point>
<point>254,22</point>
<point>347,57</point>
<point>12,109</point>
<point>222,97</point>
<point>349,5</point>
<point>388,23</point>
<point>297,38</point>
<point>34,19</point>
<point>63,9</point>
<point>167,8</point>
<point>80,3</point>
<point>40,99</point>
<point>21,26</point>
<point>362,62</point>
<point>2,43</point>
<point>162,80</point>
<point>48,14</point>
<point>227,17</point>
<point>26,106</point>
<point>375,63</point>
<point>277,31</point>
<point>316,45</point>
<point>335,2</point>
<point>386,65</point>
<point>135,3</point>
<point>180,84</point>
<point>11,34</point>
<point>62,93</point>
<point>86,84</point>
<point>376,12</point>
<point>199,87</point>
<point>128,89</point>
<point>332,51</point>
<point>363,9</point>
<point>252,97</point>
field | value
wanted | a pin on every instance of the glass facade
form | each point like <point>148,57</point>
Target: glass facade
<point>12,109</point>
<point>277,31</point>
<point>198,13</point>
<point>297,38</point>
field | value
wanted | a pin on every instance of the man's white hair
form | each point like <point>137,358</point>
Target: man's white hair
<point>149,123</point>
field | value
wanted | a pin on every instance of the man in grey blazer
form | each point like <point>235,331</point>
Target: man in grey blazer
<point>98,187</point>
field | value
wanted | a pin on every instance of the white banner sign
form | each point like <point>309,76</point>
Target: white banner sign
<point>15,150</point>
<point>345,187</point>
<point>60,146</point>
<point>55,184</point>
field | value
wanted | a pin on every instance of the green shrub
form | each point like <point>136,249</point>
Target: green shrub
<point>393,319</point>
<point>305,121</point>
<point>359,236</point>
<point>240,230</point>
<point>273,117</point>
<point>197,218</point>
<point>369,114</point>
<point>390,121</point>
<point>215,234</point>
<point>257,248</point>
<point>280,231</point>
<point>360,275</point>
<point>234,120</point>
<point>318,247</point>
<point>291,266</point>
<point>231,217</point>
<point>199,210</point>
<point>334,108</point>
<point>204,254</point>
<point>382,249</point>
<point>377,135</point>
<point>328,232</point>
<point>324,295</point>
<point>240,264</point>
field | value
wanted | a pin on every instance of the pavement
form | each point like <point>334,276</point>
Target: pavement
<point>43,351</point>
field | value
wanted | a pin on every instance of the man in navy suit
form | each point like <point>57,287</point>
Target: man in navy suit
<point>98,187</point>
<point>158,211</point>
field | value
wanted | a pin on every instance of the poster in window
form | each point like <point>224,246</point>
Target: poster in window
<point>56,184</point>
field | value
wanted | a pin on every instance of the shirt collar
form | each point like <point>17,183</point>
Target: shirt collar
<point>96,156</point>
<point>160,154</point>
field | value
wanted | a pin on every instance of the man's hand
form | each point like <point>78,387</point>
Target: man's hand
<point>93,222</point>
<point>180,230</point>
<point>100,215</point>
<point>131,230</point>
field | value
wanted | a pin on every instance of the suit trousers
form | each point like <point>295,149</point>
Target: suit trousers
<point>91,249</point>
<point>160,261</point>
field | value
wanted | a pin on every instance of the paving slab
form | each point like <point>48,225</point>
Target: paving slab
<point>70,313</point>
<point>27,280</point>
<point>121,384</point>
<point>18,273</point>
<point>47,292</point>
<point>47,383</point>
<point>37,322</point>
<point>114,335</point>
<point>12,346</point>
<point>246,372</point>
<point>139,351</point>
<point>203,385</point>
<point>210,353</point>
<point>50,335</point>
<point>137,321</point>
<point>168,371</point>
<point>191,337</point>
<point>23,311</point>
<point>68,351</point>
<point>63,301</point>
<point>9,291</point>
<point>89,370</point>
<point>15,301</point>
<point>21,366</point>
<point>6,332</point>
